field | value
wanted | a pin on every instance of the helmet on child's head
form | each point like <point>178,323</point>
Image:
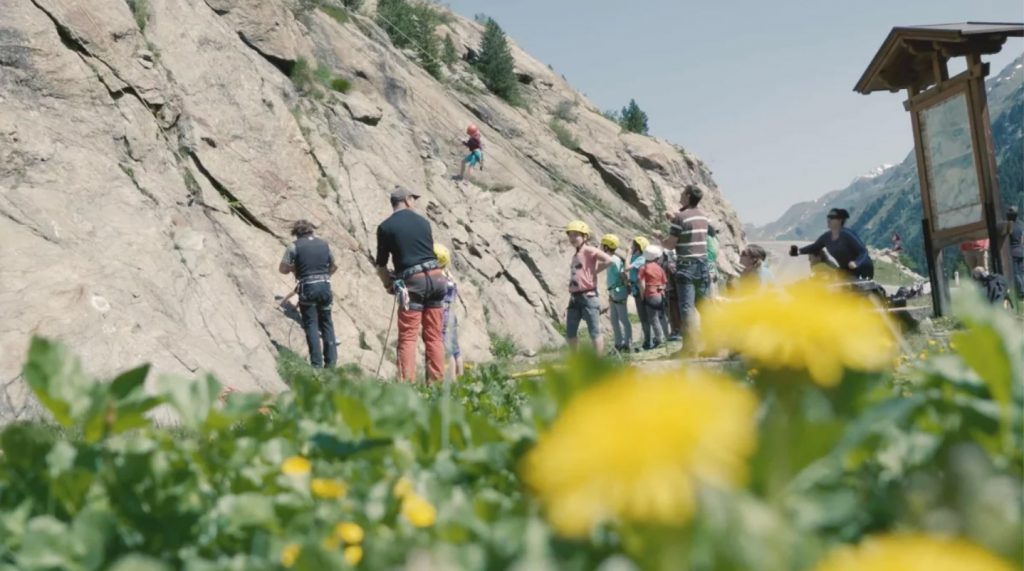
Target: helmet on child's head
<point>610,241</point>
<point>442,255</point>
<point>641,242</point>
<point>653,252</point>
<point>578,226</point>
<point>472,130</point>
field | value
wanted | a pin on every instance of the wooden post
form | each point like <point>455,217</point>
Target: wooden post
<point>992,203</point>
<point>940,297</point>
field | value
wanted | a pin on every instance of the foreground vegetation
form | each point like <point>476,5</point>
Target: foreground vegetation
<point>811,445</point>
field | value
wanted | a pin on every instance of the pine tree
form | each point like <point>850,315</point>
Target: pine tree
<point>449,54</point>
<point>496,64</point>
<point>633,119</point>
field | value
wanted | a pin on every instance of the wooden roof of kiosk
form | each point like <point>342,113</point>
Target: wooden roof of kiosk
<point>906,59</point>
<point>915,58</point>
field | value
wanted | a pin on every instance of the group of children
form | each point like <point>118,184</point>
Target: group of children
<point>646,277</point>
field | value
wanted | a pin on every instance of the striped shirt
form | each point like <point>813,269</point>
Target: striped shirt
<point>690,228</point>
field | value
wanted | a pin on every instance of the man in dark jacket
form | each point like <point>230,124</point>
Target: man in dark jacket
<point>407,240</point>
<point>310,259</point>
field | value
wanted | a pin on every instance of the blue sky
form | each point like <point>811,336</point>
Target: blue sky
<point>761,91</point>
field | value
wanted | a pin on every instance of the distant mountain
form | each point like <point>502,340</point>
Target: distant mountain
<point>888,199</point>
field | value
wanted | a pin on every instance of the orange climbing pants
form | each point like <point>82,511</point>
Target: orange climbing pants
<point>410,322</point>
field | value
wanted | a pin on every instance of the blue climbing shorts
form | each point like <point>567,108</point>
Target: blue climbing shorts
<point>474,158</point>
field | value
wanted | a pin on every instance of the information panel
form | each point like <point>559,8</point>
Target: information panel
<point>955,191</point>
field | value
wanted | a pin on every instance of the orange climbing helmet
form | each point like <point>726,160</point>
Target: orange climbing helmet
<point>471,130</point>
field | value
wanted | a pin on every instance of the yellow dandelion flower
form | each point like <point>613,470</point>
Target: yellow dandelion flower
<point>328,489</point>
<point>353,554</point>
<point>296,466</point>
<point>805,326</point>
<point>672,430</point>
<point>403,487</point>
<point>914,552</point>
<point>418,511</point>
<point>349,532</point>
<point>289,554</point>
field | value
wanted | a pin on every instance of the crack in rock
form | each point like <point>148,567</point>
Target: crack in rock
<point>234,204</point>
<point>617,184</point>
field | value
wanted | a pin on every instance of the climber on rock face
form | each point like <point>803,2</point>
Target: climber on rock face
<point>475,144</point>
<point>312,262</point>
<point>418,282</point>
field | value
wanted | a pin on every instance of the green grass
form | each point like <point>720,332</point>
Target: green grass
<point>312,81</point>
<point>503,346</point>
<point>564,111</point>
<point>337,13</point>
<point>140,10</point>
<point>887,273</point>
<point>564,136</point>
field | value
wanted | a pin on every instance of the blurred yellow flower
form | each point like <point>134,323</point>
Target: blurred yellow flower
<point>289,554</point>
<point>353,554</point>
<point>932,342</point>
<point>296,466</point>
<point>915,552</point>
<point>805,326</point>
<point>635,448</point>
<point>349,532</point>
<point>331,543</point>
<point>923,355</point>
<point>418,511</point>
<point>328,489</point>
<point>402,487</point>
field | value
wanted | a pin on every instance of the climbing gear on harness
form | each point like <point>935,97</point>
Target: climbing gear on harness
<point>418,269</point>
<point>611,241</point>
<point>401,293</point>
<point>653,252</point>
<point>579,227</point>
<point>641,242</point>
<point>442,254</point>
<point>315,278</point>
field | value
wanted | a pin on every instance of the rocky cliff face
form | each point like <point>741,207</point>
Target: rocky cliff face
<point>150,165</point>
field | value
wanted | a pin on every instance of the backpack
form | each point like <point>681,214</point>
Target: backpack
<point>995,289</point>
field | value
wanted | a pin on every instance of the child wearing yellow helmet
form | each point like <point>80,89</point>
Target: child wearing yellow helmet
<point>584,303</point>
<point>449,321</point>
<point>618,293</point>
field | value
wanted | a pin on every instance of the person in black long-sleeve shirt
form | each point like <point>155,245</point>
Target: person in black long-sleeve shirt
<point>844,245</point>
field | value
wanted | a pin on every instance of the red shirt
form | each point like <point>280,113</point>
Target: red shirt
<point>654,279</point>
<point>974,245</point>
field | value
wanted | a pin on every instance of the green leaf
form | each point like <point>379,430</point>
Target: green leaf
<point>354,413</point>
<point>192,399</point>
<point>54,377</point>
<point>135,562</point>
<point>128,382</point>
<point>247,510</point>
